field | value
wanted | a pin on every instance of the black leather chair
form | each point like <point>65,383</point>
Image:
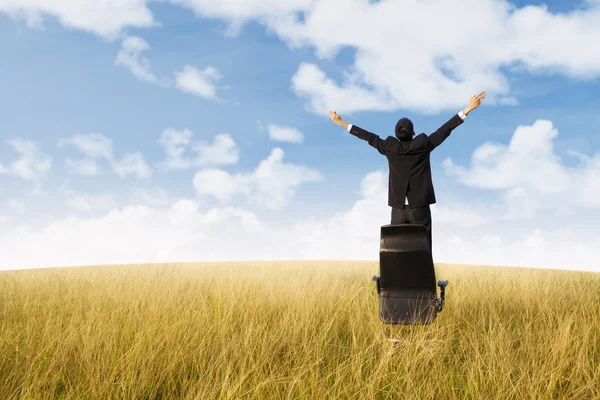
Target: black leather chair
<point>406,284</point>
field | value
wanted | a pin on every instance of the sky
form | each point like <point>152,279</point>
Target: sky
<point>151,131</point>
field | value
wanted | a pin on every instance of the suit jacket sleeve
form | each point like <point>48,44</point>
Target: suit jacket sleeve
<point>437,137</point>
<point>371,138</point>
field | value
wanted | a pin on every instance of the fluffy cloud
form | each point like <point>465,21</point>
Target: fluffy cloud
<point>17,206</point>
<point>323,93</point>
<point>103,18</point>
<point>530,175</point>
<point>132,234</point>
<point>535,248</point>
<point>419,55</point>
<point>13,206</point>
<point>272,184</point>
<point>348,234</point>
<point>97,146</point>
<point>223,150</point>
<point>184,232</point>
<point>153,196</point>
<point>463,232</point>
<point>84,166</point>
<point>239,12</point>
<point>132,164</point>
<point>221,185</point>
<point>189,79</point>
<point>32,163</point>
<point>86,203</point>
<point>285,134</point>
<point>411,55</point>
<point>200,83</point>
<point>93,145</point>
<point>130,57</point>
<point>176,143</point>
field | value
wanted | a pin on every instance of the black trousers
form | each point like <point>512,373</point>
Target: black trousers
<point>418,215</point>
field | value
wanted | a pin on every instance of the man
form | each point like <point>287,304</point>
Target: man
<point>410,189</point>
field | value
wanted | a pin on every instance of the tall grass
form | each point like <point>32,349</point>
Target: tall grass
<point>293,330</point>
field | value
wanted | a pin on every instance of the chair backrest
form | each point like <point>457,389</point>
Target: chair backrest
<point>405,260</point>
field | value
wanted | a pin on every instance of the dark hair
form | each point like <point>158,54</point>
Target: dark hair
<point>404,129</point>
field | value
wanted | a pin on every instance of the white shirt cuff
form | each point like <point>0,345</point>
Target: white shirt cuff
<point>462,114</point>
<point>349,127</point>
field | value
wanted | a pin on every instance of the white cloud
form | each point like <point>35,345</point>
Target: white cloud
<point>528,161</point>
<point>93,145</point>
<point>96,146</point>
<point>153,196</point>
<point>276,182</point>
<point>132,164</point>
<point>530,175</point>
<point>462,233</point>
<point>13,207</point>
<point>239,12</point>
<point>443,71</point>
<point>18,206</point>
<point>285,134</point>
<point>348,234</point>
<point>409,55</point>
<point>419,55</point>
<point>463,215</point>
<point>86,166</point>
<point>198,82</point>
<point>31,165</point>
<point>220,184</point>
<point>183,232</point>
<point>272,184</point>
<point>175,143</point>
<point>103,18</point>
<point>222,151</point>
<point>133,234</point>
<point>130,57</point>
<point>189,79</point>
<point>86,203</point>
<point>323,93</point>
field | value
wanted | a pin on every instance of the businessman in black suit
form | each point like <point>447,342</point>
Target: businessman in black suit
<point>410,189</point>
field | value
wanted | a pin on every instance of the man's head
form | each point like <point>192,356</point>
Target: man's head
<point>404,129</point>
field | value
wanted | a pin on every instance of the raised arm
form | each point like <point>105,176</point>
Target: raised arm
<point>373,140</point>
<point>437,137</point>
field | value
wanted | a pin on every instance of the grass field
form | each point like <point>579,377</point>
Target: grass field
<point>293,330</point>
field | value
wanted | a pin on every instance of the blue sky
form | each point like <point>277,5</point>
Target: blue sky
<point>60,79</point>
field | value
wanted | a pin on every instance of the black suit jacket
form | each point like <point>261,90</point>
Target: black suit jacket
<point>409,168</point>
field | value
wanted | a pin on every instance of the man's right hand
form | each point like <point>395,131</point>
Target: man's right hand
<point>335,117</point>
<point>476,100</point>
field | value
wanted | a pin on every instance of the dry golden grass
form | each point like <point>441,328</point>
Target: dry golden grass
<point>293,330</point>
